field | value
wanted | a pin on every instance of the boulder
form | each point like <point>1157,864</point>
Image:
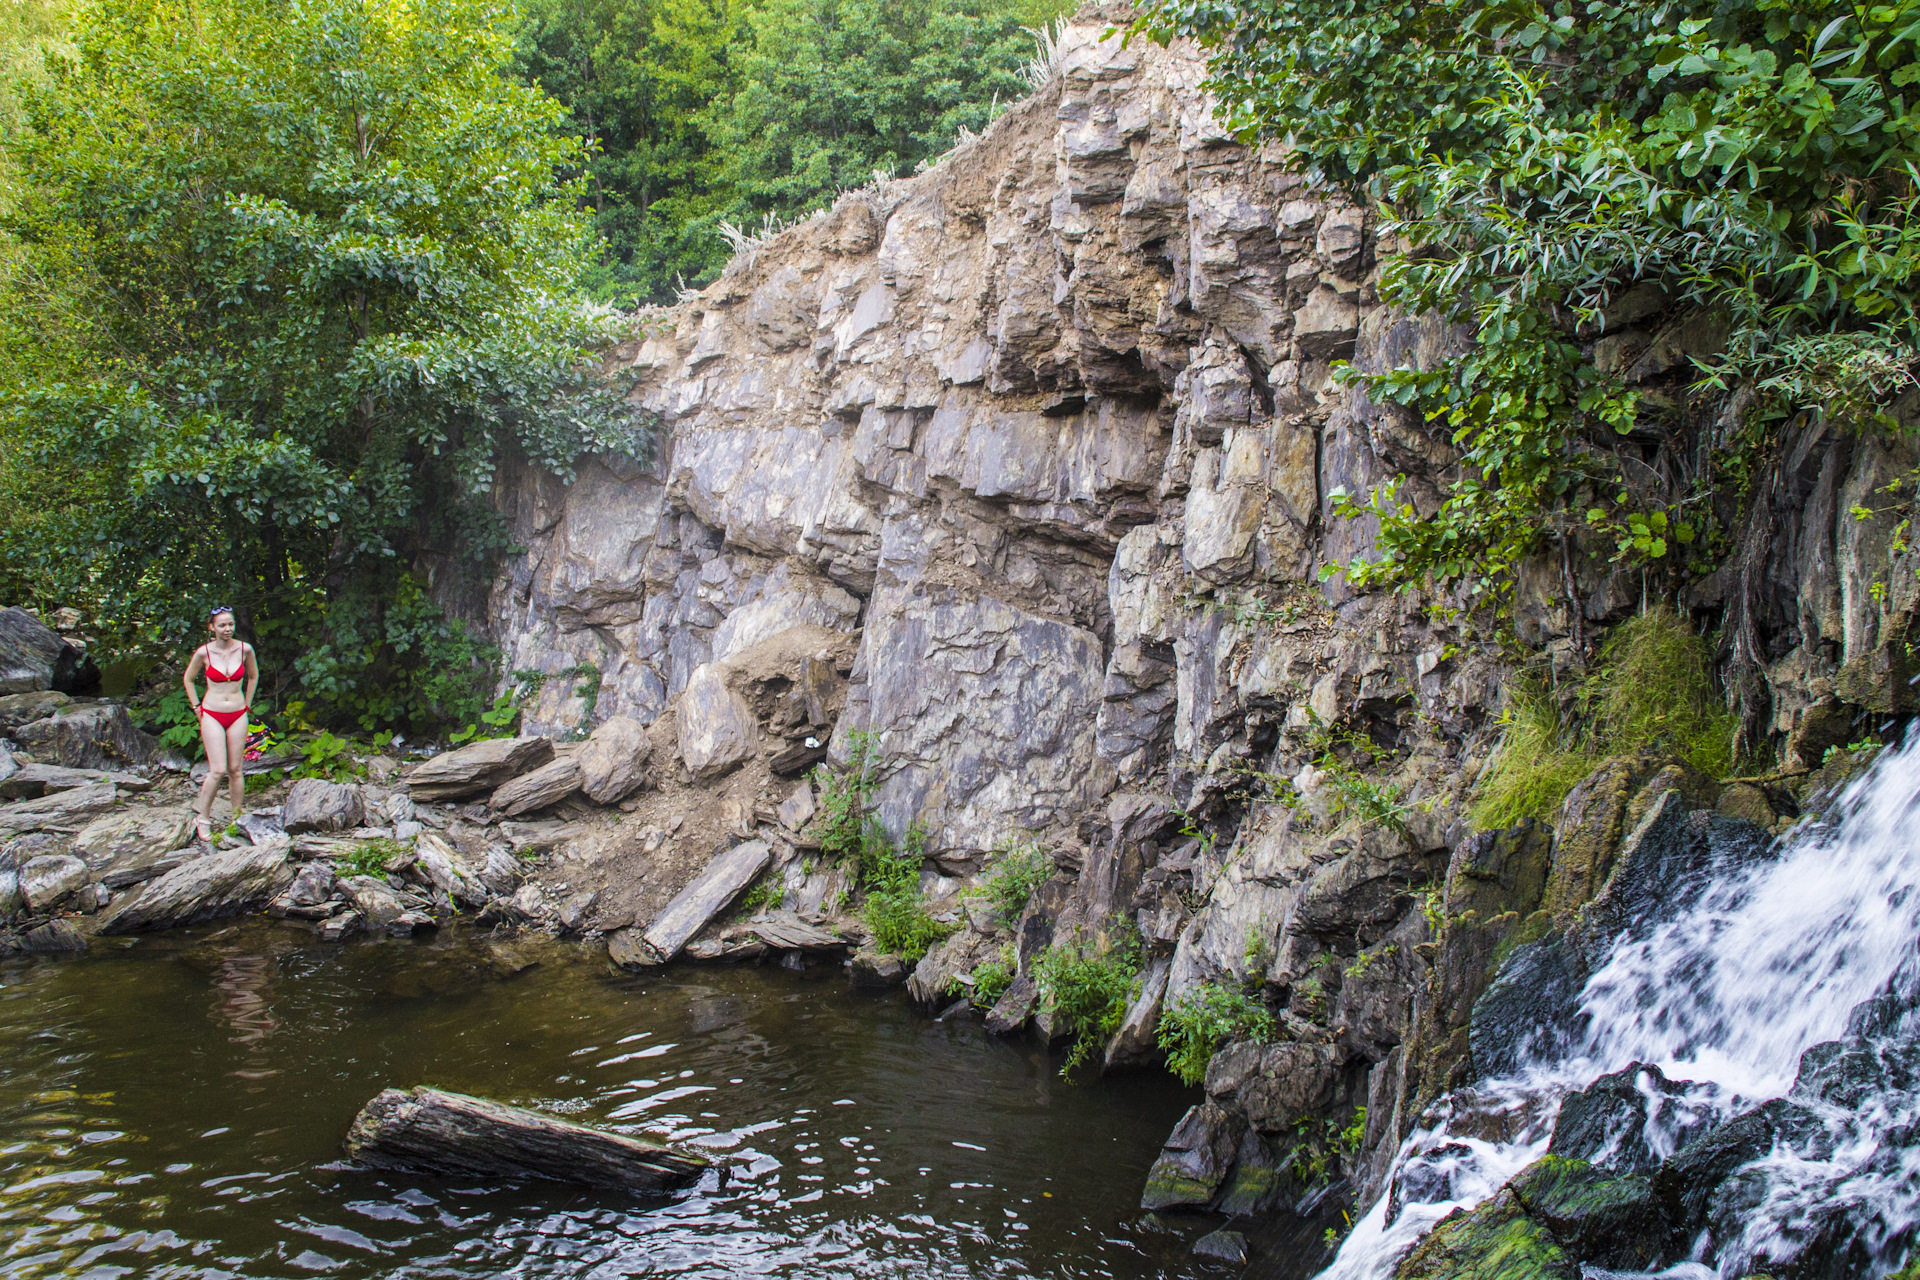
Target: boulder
<point>226,883</point>
<point>549,784</point>
<point>374,901</point>
<point>54,937</point>
<point>448,872</point>
<point>67,811</point>
<point>435,1131</point>
<point>45,881</point>
<point>10,896</point>
<point>314,804</point>
<point>312,885</point>
<point>576,910</point>
<point>710,892</point>
<point>613,763</point>
<point>29,781</point>
<point>1196,1159</point>
<point>1606,1123</point>
<point>17,709</point>
<point>97,736</point>
<point>29,652</point>
<point>1222,1246</point>
<point>117,841</point>
<point>715,725</point>
<point>876,969</point>
<point>261,825</point>
<point>1275,1085</point>
<point>797,809</point>
<point>476,767</point>
<point>502,873</point>
<point>411,924</point>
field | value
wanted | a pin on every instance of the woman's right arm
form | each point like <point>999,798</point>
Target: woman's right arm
<point>197,661</point>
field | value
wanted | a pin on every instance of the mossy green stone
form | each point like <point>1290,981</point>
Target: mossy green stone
<point>1496,1241</point>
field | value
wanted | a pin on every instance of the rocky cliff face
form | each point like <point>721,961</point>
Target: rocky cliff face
<point>1048,431</point>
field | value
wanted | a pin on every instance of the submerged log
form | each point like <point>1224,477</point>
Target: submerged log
<point>434,1131</point>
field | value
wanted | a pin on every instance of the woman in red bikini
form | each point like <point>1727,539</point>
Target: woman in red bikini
<point>229,664</point>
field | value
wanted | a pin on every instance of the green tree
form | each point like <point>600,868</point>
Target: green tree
<point>287,281</point>
<point>702,110</point>
<point>1754,159</point>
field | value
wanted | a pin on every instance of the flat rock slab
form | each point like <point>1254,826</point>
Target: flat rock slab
<point>434,1131</point>
<point>220,884</point>
<point>548,785</point>
<point>46,880</point>
<point>479,766</point>
<point>17,709</point>
<point>34,780</point>
<point>65,811</point>
<point>120,840</point>
<point>700,901</point>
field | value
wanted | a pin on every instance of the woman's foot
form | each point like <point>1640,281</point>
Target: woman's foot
<point>203,828</point>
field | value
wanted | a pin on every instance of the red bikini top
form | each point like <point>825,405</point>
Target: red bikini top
<point>215,676</point>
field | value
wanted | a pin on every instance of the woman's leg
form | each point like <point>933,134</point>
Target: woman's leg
<point>237,764</point>
<point>214,738</point>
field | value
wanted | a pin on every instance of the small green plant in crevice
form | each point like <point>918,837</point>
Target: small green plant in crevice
<point>1323,1145</point>
<point>370,858</point>
<point>846,798</point>
<point>1203,1019</point>
<point>1337,748</point>
<point>1651,690</point>
<point>1088,983</point>
<point>1367,959</point>
<point>766,895</point>
<point>1019,868</point>
<point>991,978</point>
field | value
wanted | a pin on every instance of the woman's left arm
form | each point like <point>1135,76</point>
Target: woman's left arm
<point>253,674</point>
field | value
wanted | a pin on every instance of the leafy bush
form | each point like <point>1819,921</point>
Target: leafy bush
<point>329,757</point>
<point>894,909</point>
<point>1323,1145</point>
<point>991,978</point>
<point>1534,162</point>
<point>1089,984</point>
<point>1201,1020</point>
<point>172,717</point>
<point>1020,868</point>
<point>1652,689</point>
<point>842,823</point>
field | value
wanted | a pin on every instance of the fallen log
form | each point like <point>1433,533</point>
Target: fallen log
<point>430,1130</point>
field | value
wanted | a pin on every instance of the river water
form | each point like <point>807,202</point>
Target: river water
<point>174,1107</point>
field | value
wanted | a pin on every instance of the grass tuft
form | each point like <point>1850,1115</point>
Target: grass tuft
<point>1652,690</point>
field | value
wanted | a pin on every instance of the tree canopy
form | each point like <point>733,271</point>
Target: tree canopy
<point>749,110</point>
<point>1753,160</point>
<point>286,280</point>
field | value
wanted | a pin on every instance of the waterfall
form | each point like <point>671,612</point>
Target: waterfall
<point>1756,961</point>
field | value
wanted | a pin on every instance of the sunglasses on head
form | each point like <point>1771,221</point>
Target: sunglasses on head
<point>217,610</point>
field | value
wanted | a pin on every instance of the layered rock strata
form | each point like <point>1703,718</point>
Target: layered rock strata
<point>1045,436</point>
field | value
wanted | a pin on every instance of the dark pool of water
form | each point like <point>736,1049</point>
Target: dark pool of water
<point>174,1108</point>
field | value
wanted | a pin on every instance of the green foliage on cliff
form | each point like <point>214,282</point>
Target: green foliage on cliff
<point>1652,690</point>
<point>1203,1019</point>
<point>702,110</point>
<point>283,286</point>
<point>1088,983</point>
<point>1752,159</point>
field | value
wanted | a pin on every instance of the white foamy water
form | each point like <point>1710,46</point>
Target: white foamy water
<point>1761,962</point>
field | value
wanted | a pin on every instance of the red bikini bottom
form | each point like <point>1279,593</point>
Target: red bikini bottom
<point>225,718</point>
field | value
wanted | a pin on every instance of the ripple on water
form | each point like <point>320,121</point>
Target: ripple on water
<point>175,1109</point>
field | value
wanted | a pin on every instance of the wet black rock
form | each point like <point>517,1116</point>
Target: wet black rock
<point>1222,1246</point>
<point>1687,1183</point>
<point>1601,1218</point>
<point>1533,1007</point>
<point>1606,1123</point>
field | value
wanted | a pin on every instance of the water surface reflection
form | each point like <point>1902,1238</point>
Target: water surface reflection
<point>175,1108</point>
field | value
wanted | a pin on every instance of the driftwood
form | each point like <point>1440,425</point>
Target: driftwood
<point>433,1131</point>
